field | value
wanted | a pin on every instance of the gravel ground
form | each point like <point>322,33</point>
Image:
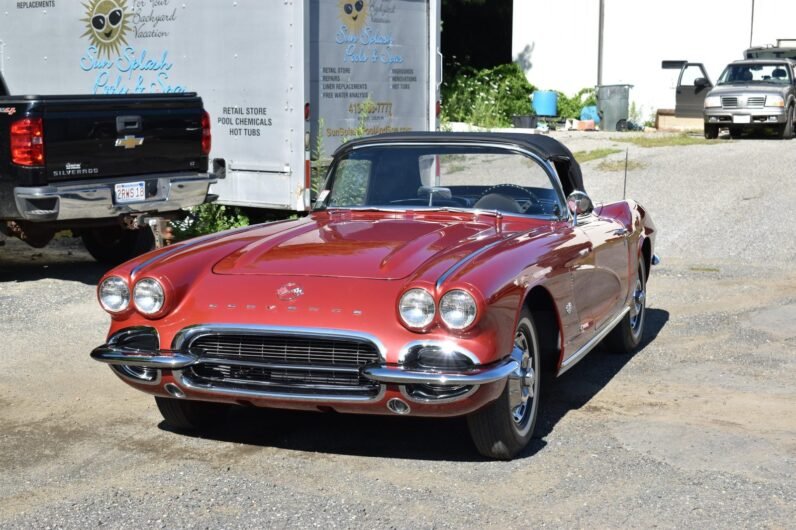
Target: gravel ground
<point>697,429</point>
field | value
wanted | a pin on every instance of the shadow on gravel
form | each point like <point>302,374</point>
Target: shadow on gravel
<point>415,438</point>
<point>575,389</point>
<point>65,258</point>
<point>73,271</point>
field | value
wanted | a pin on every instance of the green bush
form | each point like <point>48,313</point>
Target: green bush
<point>207,219</point>
<point>487,97</point>
<point>570,107</point>
<point>490,97</point>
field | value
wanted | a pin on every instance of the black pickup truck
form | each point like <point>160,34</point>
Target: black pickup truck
<point>108,168</point>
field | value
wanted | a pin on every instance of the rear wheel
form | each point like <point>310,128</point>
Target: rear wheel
<point>711,131</point>
<point>626,336</point>
<point>504,427</point>
<point>111,245</point>
<point>191,415</point>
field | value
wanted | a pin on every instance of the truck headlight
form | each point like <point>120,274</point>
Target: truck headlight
<point>775,101</point>
<point>712,102</point>
<point>148,296</point>
<point>113,294</point>
<point>458,309</point>
<point>416,308</point>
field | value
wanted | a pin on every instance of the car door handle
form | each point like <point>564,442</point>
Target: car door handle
<point>620,232</point>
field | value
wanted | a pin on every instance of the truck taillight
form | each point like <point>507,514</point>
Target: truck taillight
<point>207,139</point>
<point>306,112</point>
<point>27,142</point>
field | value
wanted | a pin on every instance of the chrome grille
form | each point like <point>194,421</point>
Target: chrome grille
<point>756,101</point>
<point>729,102</point>
<point>284,363</point>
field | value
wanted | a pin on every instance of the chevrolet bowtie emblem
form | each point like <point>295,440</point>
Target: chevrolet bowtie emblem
<point>129,142</point>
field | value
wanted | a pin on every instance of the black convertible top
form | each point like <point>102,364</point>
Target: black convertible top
<point>545,147</point>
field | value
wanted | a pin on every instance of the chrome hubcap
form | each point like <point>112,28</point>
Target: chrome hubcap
<point>522,382</point>
<point>639,298</point>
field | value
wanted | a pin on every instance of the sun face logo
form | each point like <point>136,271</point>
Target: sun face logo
<point>107,23</point>
<point>354,13</point>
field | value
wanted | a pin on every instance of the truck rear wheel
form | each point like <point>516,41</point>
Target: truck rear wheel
<point>111,245</point>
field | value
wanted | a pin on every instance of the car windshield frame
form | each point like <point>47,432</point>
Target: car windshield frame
<point>753,67</point>
<point>558,204</point>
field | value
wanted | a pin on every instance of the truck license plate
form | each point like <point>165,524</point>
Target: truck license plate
<point>742,119</point>
<point>130,192</point>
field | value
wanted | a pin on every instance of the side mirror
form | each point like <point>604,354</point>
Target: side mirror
<point>701,82</point>
<point>579,203</point>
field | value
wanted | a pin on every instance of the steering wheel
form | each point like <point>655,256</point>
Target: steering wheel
<point>512,190</point>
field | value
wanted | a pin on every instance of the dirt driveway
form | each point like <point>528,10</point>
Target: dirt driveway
<point>698,429</point>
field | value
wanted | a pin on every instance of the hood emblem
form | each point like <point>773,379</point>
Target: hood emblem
<point>129,142</point>
<point>289,292</point>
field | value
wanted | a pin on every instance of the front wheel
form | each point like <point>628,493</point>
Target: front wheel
<point>626,336</point>
<point>191,415</point>
<point>503,428</point>
<point>786,129</point>
<point>711,131</point>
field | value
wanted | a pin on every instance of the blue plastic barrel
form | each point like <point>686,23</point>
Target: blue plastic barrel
<point>545,103</point>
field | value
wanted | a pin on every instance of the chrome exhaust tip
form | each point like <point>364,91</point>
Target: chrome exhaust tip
<point>398,406</point>
<point>174,390</point>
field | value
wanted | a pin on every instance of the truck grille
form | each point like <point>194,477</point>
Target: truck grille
<point>729,102</point>
<point>756,101</point>
<point>284,363</point>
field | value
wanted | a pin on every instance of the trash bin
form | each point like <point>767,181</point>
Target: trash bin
<point>612,103</point>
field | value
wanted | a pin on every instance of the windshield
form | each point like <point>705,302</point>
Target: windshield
<point>777,73</point>
<point>433,176</point>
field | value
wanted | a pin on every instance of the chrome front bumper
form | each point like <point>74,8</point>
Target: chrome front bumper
<point>757,116</point>
<point>94,199</point>
<point>175,360</point>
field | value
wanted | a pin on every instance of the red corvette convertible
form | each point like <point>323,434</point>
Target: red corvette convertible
<point>439,274</point>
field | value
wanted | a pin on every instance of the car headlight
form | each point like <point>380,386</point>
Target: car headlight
<point>775,101</point>
<point>148,296</point>
<point>416,308</point>
<point>458,309</point>
<point>114,295</point>
<point>712,101</point>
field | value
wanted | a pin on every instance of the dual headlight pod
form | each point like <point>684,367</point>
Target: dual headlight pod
<point>457,309</point>
<point>148,295</point>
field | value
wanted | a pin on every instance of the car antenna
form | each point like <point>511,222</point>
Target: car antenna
<point>624,190</point>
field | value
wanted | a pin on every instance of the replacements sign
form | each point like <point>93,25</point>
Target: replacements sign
<point>369,67</point>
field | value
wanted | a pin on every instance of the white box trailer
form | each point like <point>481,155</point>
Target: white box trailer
<point>280,78</point>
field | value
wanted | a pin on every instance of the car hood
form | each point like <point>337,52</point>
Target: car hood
<point>357,247</point>
<point>741,89</point>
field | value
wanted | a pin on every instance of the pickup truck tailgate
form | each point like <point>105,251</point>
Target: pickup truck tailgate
<point>119,136</point>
